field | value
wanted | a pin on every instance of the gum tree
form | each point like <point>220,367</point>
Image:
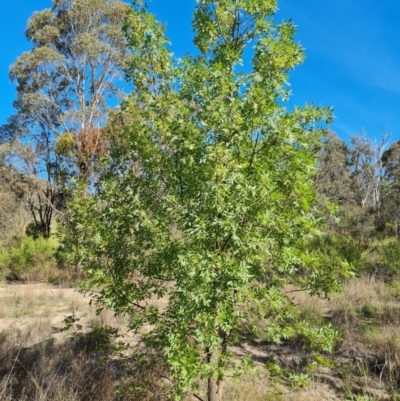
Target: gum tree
<point>63,83</point>
<point>64,86</point>
<point>210,202</point>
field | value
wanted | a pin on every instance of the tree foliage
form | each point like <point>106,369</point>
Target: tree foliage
<point>73,68</point>
<point>64,86</point>
<point>391,198</point>
<point>15,188</point>
<point>334,180</point>
<point>210,202</point>
<point>357,177</point>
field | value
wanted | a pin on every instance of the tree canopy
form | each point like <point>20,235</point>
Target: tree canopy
<point>65,84</point>
<point>211,201</point>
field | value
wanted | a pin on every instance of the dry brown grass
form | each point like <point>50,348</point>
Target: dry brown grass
<point>50,371</point>
<point>40,309</point>
<point>384,359</point>
<point>260,388</point>
<point>39,363</point>
<point>367,314</point>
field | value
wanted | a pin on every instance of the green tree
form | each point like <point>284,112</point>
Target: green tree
<point>367,168</point>
<point>391,199</point>
<point>334,177</point>
<point>209,203</point>
<point>354,177</point>
<point>64,85</point>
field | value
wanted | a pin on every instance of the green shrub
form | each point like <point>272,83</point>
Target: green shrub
<point>391,258</point>
<point>369,311</point>
<point>383,259</point>
<point>29,258</point>
<point>336,248</point>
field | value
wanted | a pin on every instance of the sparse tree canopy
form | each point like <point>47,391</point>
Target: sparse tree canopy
<point>64,85</point>
<point>209,203</point>
<point>65,81</point>
<point>14,192</point>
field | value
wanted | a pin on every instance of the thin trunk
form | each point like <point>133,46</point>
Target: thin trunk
<point>215,386</point>
<point>213,394</point>
<point>215,389</point>
<point>212,385</point>
<point>220,384</point>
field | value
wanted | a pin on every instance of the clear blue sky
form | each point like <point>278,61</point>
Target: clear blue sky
<point>352,49</point>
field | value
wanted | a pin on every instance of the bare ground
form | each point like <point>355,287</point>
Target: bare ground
<point>33,313</point>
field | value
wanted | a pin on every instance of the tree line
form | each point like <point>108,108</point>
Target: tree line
<point>362,177</point>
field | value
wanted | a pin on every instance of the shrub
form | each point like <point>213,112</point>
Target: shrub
<point>28,258</point>
<point>391,258</point>
<point>383,259</point>
<point>369,311</point>
<point>334,249</point>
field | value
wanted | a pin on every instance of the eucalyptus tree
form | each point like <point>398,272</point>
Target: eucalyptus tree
<point>367,169</point>
<point>333,179</point>
<point>14,193</point>
<point>391,198</point>
<point>353,176</point>
<point>368,176</point>
<point>65,84</point>
<point>209,203</point>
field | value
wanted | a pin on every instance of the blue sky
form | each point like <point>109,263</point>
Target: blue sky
<point>353,56</point>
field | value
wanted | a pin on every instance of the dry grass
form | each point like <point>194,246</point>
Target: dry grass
<point>385,358</point>
<point>50,371</point>
<point>250,388</point>
<point>41,309</point>
<point>260,388</point>
<point>367,314</point>
<point>39,363</point>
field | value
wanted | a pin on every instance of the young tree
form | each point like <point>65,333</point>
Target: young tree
<point>209,203</point>
<point>64,85</point>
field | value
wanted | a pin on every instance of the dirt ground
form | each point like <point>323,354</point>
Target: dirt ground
<point>35,312</point>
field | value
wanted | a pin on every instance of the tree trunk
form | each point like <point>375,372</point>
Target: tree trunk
<point>215,389</point>
<point>215,386</point>
<point>220,385</point>
<point>213,393</point>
